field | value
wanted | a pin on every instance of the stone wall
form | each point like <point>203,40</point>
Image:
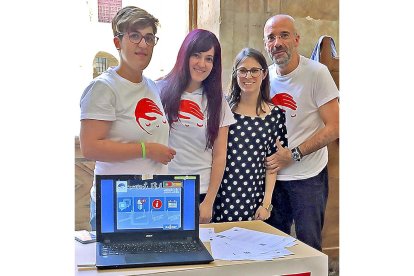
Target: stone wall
<point>239,24</point>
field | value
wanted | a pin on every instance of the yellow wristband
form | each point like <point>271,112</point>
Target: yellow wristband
<point>144,153</point>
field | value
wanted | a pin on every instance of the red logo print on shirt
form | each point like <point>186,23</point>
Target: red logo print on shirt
<point>190,107</point>
<point>285,100</point>
<point>144,107</point>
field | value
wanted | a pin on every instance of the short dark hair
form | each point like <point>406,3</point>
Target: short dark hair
<point>133,17</point>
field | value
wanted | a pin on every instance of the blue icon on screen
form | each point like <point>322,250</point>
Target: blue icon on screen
<point>173,203</point>
<point>125,204</point>
<point>141,204</point>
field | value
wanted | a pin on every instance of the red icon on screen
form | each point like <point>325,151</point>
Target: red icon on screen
<point>156,204</point>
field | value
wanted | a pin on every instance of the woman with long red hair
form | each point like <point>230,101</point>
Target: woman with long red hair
<point>198,115</point>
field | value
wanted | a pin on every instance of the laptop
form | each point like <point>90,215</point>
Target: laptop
<point>148,221</point>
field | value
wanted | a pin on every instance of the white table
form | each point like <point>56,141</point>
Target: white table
<point>305,259</point>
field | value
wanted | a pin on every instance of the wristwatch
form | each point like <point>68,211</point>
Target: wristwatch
<point>296,154</point>
<point>269,207</point>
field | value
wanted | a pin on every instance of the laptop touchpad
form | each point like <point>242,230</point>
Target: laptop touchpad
<point>141,258</point>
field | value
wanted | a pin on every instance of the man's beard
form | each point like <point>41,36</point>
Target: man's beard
<point>282,61</point>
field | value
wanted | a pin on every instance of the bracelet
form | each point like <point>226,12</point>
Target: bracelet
<point>144,153</point>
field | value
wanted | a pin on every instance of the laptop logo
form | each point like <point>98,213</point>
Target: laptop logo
<point>148,236</point>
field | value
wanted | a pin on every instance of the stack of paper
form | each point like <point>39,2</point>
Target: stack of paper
<point>244,244</point>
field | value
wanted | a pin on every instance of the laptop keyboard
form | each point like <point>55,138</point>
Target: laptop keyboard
<point>150,247</point>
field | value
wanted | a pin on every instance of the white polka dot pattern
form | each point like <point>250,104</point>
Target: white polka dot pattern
<point>250,141</point>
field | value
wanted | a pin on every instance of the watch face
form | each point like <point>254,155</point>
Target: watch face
<point>270,208</point>
<point>295,155</point>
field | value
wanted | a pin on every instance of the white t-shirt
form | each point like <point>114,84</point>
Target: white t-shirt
<point>188,138</point>
<point>311,86</point>
<point>136,113</point>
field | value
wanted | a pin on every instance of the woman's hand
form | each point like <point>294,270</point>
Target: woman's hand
<point>159,152</point>
<point>206,212</point>
<point>261,213</point>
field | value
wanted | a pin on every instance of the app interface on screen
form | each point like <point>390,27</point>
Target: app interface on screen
<point>148,204</point>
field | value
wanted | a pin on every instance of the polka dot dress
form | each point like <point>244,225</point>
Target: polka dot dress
<point>250,141</point>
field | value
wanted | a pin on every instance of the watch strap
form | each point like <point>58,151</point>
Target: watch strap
<point>269,207</point>
<point>300,153</point>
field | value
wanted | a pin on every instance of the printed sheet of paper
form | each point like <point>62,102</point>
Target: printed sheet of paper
<point>244,244</point>
<point>206,234</point>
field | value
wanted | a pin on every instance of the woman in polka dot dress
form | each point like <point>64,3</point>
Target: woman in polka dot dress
<point>246,189</point>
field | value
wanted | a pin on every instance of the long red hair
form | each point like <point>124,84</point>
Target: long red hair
<point>177,80</point>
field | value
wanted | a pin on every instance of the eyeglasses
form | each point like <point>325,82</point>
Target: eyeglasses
<point>254,72</point>
<point>136,37</point>
<point>272,38</point>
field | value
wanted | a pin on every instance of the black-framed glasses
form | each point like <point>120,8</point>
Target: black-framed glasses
<point>136,37</point>
<point>272,38</point>
<point>254,72</point>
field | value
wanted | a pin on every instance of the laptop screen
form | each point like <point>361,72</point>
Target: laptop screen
<point>162,203</point>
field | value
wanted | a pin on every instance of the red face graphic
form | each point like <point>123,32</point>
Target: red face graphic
<point>144,107</point>
<point>190,107</point>
<point>284,99</point>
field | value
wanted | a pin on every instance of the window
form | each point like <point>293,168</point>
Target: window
<point>100,65</point>
<point>107,9</point>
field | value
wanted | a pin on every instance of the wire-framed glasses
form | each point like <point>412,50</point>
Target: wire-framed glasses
<point>254,72</point>
<point>136,37</point>
<point>272,38</point>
